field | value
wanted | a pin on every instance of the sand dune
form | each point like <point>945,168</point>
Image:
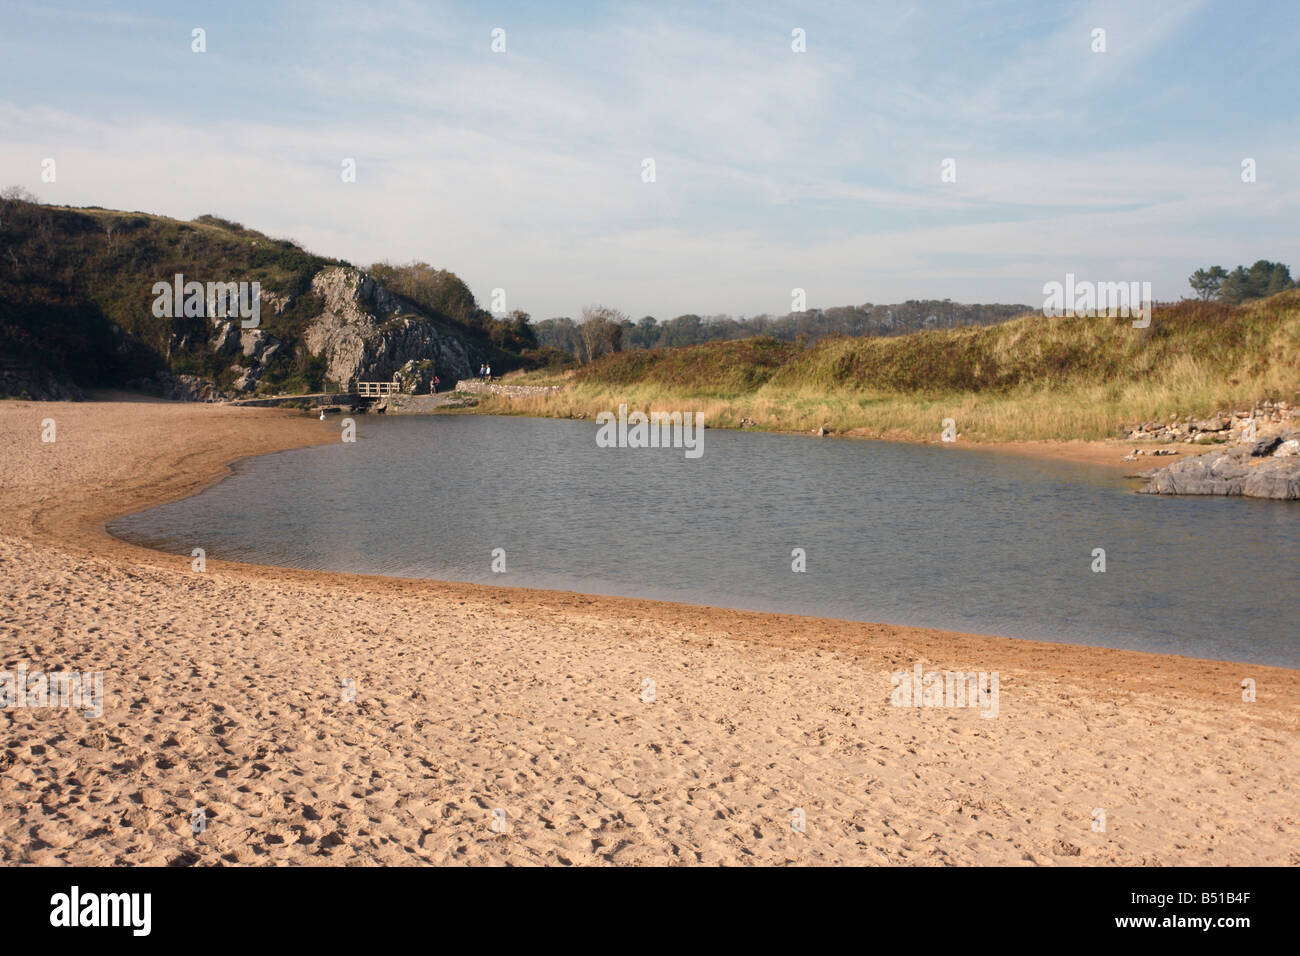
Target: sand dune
<point>225,691</point>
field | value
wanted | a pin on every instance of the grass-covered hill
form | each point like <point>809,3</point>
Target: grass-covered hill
<point>75,288</point>
<point>76,298</point>
<point>1032,377</point>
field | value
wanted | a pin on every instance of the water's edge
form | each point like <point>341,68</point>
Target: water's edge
<point>541,578</point>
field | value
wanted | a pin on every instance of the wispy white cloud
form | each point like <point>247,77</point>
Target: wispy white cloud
<point>774,169</point>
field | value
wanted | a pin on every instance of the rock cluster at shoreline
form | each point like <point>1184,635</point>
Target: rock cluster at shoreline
<point>180,388</point>
<point>1265,469</point>
<point>27,381</point>
<point>1221,426</point>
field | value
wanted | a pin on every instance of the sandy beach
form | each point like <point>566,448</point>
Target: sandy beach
<point>225,691</point>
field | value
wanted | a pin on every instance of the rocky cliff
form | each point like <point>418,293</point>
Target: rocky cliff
<point>361,333</point>
<point>80,308</point>
<point>366,333</point>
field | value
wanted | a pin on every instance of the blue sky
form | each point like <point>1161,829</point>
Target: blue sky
<point>774,169</point>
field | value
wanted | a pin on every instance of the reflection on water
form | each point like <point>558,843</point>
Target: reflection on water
<point>938,536</point>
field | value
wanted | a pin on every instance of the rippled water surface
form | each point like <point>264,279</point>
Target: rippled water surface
<point>938,536</point>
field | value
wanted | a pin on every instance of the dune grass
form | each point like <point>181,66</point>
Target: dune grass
<point>1032,378</point>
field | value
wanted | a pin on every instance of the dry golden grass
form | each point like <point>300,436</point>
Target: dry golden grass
<point>1034,378</point>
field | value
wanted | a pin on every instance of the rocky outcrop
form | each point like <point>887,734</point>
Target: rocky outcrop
<point>246,378</point>
<point>1263,469</point>
<point>226,339</point>
<point>416,376</point>
<point>19,379</point>
<point>366,333</point>
<point>179,388</point>
<point>256,344</point>
<point>1220,427</point>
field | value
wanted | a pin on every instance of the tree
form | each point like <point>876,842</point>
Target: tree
<point>13,196</point>
<point>514,333</point>
<point>647,331</point>
<point>1206,282</point>
<point>683,330</point>
<point>436,290</point>
<point>600,331</point>
<point>558,333</point>
<point>18,194</point>
<point>521,331</point>
<point>1262,279</point>
<point>1276,277</point>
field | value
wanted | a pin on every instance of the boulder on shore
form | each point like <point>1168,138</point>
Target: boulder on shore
<point>1265,469</point>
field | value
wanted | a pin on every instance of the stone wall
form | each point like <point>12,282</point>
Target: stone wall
<point>476,387</point>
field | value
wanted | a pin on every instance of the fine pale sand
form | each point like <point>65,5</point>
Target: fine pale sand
<point>223,691</point>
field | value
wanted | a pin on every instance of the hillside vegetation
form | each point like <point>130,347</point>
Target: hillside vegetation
<point>76,298</point>
<point>75,288</point>
<point>1030,378</point>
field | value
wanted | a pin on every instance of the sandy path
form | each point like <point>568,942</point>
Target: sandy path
<point>223,691</point>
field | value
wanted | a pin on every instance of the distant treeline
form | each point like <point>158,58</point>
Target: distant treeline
<point>620,333</point>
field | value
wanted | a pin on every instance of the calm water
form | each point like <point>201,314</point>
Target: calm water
<point>936,536</point>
